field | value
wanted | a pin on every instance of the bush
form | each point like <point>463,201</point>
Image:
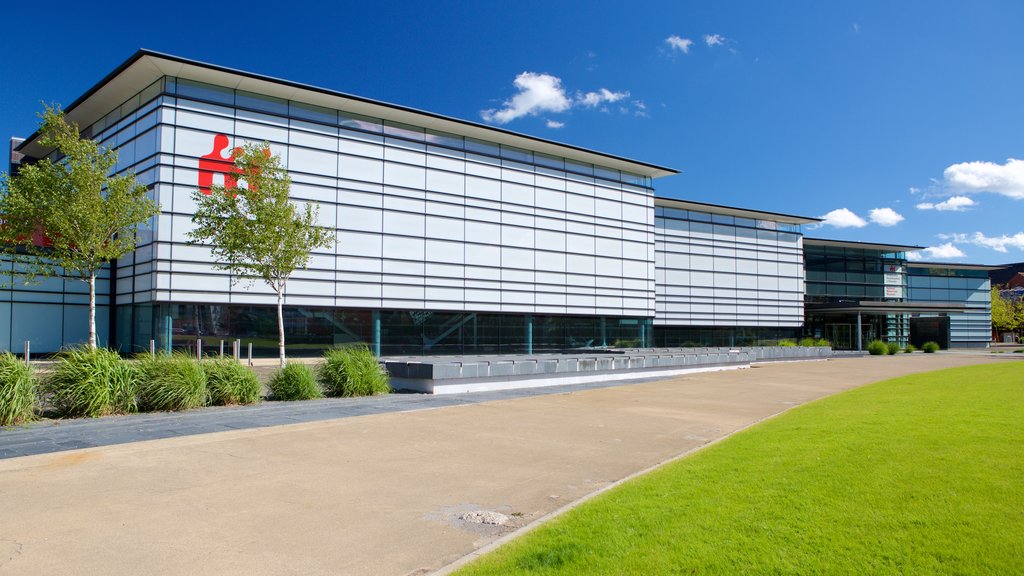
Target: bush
<point>352,371</point>
<point>930,347</point>
<point>893,348</point>
<point>626,343</point>
<point>92,382</point>
<point>786,343</point>
<point>910,348</point>
<point>171,382</point>
<point>877,348</point>
<point>807,342</point>
<point>229,382</point>
<point>822,342</point>
<point>294,382</point>
<point>17,391</point>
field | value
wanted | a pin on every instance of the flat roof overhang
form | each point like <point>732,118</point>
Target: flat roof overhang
<point>882,307</point>
<point>733,211</point>
<point>862,245</point>
<point>953,266</point>
<point>146,66</point>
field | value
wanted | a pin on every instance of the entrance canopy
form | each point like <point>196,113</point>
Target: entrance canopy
<point>881,307</point>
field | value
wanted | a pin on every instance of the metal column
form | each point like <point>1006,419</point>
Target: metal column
<point>529,334</point>
<point>860,336</point>
<point>376,332</point>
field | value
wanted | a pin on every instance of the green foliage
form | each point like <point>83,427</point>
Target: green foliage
<point>910,348</point>
<point>930,347</point>
<point>787,342</point>
<point>256,231</point>
<point>229,382</point>
<point>892,478</point>
<point>626,343</point>
<point>1007,315</point>
<point>171,382</point>
<point>17,391</point>
<point>807,342</point>
<point>88,217</point>
<point>892,348</point>
<point>294,382</point>
<point>352,371</point>
<point>822,342</point>
<point>92,382</point>
<point>877,348</point>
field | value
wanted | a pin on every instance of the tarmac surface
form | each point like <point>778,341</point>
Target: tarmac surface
<point>374,489</point>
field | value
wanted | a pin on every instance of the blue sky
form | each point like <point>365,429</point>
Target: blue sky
<point>902,121</point>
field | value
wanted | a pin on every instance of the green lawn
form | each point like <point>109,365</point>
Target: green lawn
<point>917,475</point>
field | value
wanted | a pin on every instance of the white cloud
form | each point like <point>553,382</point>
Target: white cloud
<point>914,190</point>
<point>914,256</point>
<point>856,27</point>
<point>1006,179</point>
<point>943,251</point>
<point>998,243</point>
<point>714,39</point>
<point>537,93</point>
<point>954,204</point>
<point>885,216</point>
<point>555,124</point>
<point>592,99</point>
<point>843,218</point>
<point>678,43</point>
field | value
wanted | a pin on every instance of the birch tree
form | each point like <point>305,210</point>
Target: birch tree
<point>69,216</point>
<point>254,230</point>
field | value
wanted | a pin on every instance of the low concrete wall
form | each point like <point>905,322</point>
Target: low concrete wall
<point>456,374</point>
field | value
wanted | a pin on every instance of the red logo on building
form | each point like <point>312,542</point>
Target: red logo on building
<point>217,163</point>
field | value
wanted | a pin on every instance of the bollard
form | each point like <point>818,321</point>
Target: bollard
<point>238,350</point>
<point>222,349</point>
<point>28,352</point>
<point>152,348</point>
<point>250,353</point>
<point>199,348</point>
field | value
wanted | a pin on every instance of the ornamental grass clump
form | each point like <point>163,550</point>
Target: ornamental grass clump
<point>352,371</point>
<point>17,391</point>
<point>877,348</point>
<point>930,347</point>
<point>171,382</point>
<point>787,343</point>
<point>294,382</point>
<point>92,382</point>
<point>229,382</point>
<point>807,342</point>
<point>892,348</point>
<point>910,349</point>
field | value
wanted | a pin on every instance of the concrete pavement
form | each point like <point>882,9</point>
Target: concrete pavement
<point>379,494</point>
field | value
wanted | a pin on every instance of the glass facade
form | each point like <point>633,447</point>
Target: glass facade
<point>308,331</point>
<point>843,274</point>
<point>935,283</point>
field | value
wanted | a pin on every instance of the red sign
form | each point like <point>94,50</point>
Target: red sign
<point>216,163</point>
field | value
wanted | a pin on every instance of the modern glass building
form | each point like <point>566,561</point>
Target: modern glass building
<point>452,237</point>
<point>966,284</point>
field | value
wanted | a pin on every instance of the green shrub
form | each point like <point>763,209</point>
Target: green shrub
<point>352,371</point>
<point>229,382</point>
<point>807,341</point>
<point>1018,351</point>
<point>92,382</point>
<point>910,348</point>
<point>930,347</point>
<point>294,382</point>
<point>17,391</point>
<point>786,342</point>
<point>877,348</point>
<point>626,343</point>
<point>822,342</point>
<point>892,348</point>
<point>171,382</point>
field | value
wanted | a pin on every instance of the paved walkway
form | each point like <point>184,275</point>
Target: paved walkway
<point>380,493</point>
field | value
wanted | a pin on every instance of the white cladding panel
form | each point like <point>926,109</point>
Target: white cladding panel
<point>424,221</point>
<point>716,270</point>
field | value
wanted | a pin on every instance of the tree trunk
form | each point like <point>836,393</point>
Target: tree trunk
<point>280,324</point>
<point>92,310</point>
